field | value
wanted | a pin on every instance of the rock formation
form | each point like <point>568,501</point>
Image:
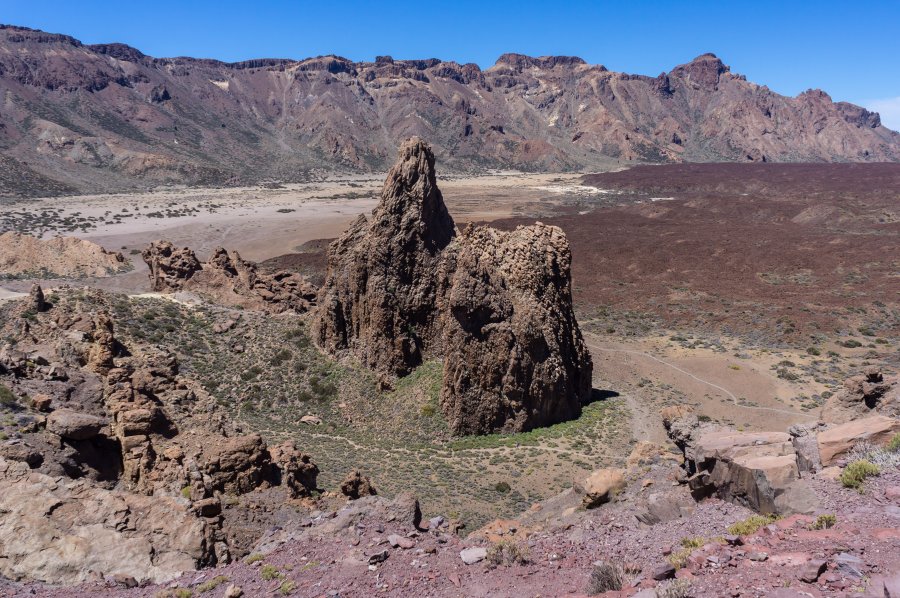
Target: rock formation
<point>869,393</point>
<point>496,305</point>
<point>36,300</point>
<point>756,469</point>
<point>24,256</point>
<point>120,464</point>
<point>514,358</point>
<point>226,278</point>
<point>381,293</point>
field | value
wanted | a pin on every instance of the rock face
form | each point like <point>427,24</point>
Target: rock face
<point>514,356</point>
<point>380,297</point>
<point>547,113</point>
<point>869,393</point>
<point>60,257</point>
<point>759,470</point>
<point>838,440</point>
<point>65,533</point>
<point>496,305</point>
<point>226,278</point>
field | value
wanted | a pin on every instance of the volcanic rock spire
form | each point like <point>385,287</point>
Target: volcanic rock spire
<point>497,306</point>
<point>380,297</point>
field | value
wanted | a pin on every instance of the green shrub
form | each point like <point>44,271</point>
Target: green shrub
<point>679,558</point>
<point>856,473</point>
<point>823,522</point>
<point>212,584</point>
<point>894,445</point>
<point>850,344</point>
<point>751,525</point>
<point>502,487</point>
<point>254,558</point>
<point>7,397</point>
<point>269,572</point>
<point>675,588</point>
<point>814,351</point>
<point>286,587</point>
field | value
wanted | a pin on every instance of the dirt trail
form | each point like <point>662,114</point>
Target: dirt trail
<point>646,424</point>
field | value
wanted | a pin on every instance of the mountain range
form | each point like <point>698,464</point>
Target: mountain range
<point>82,118</point>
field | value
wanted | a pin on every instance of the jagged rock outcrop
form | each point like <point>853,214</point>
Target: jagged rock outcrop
<point>759,470</point>
<point>869,393</point>
<point>226,278</point>
<point>128,458</point>
<point>496,305</point>
<point>295,469</point>
<point>36,300</point>
<point>381,293</point>
<point>356,485</point>
<point>514,358</point>
<point>170,266</point>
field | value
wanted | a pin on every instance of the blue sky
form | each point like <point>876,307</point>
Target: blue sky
<point>851,50</point>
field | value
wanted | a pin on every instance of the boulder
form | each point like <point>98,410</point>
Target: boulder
<point>356,485</point>
<point>74,425</point>
<point>837,441</point>
<point>473,555</point>
<point>662,507</point>
<point>601,487</point>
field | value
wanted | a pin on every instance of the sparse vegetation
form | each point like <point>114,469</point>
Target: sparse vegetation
<point>254,558</point>
<point>675,588</point>
<point>825,521</point>
<point>751,525</point>
<point>269,572</point>
<point>286,587</point>
<point>211,584</point>
<point>856,473</point>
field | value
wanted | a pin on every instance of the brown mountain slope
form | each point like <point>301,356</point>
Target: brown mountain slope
<point>107,117</point>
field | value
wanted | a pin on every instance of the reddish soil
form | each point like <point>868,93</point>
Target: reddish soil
<point>785,250</point>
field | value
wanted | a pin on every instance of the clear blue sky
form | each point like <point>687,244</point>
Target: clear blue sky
<point>849,49</point>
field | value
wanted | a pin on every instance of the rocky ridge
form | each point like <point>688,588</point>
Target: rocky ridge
<point>24,256</point>
<point>496,306</point>
<point>118,452</point>
<point>107,117</point>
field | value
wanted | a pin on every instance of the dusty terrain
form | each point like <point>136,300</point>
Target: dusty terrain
<point>757,334</point>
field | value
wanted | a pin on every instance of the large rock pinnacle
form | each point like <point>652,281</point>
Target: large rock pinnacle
<point>379,299</point>
<point>497,306</point>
